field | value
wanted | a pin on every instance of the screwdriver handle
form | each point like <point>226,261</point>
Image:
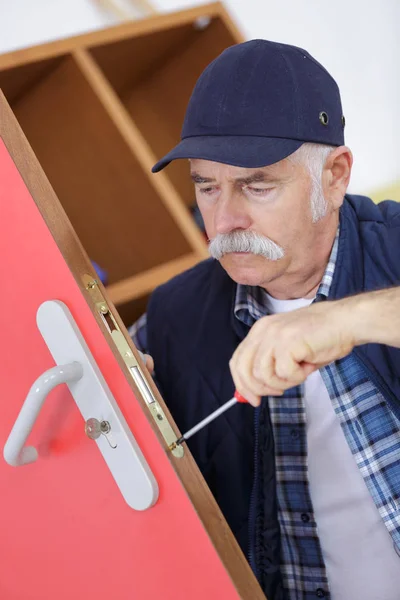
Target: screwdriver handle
<point>240,398</point>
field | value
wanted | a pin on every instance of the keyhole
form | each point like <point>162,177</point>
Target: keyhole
<point>95,428</point>
<point>105,428</point>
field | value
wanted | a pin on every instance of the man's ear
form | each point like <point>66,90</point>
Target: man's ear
<point>336,175</point>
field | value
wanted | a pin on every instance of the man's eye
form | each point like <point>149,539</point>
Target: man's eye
<point>207,190</point>
<point>259,192</point>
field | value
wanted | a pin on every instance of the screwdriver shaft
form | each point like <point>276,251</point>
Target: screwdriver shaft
<point>207,420</point>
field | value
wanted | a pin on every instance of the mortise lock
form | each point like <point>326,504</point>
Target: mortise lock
<point>132,364</point>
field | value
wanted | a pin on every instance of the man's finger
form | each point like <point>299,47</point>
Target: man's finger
<point>288,369</point>
<point>242,365</point>
<point>242,385</point>
<point>265,370</point>
<point>148,361</point>
<point>309,368</point>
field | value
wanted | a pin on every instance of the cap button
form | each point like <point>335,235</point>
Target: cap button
<point>323,117</point>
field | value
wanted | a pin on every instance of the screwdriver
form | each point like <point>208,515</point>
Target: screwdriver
<point>236,398</point>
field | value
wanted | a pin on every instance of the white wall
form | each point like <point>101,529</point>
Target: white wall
<point>359,45</point>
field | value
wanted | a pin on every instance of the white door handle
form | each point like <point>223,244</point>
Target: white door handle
<point>14,452</point>
<point>77,368</point>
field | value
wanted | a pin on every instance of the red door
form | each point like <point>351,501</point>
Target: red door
<point>66,531</point>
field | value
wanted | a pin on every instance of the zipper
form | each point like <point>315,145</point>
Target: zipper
<point>253,497</point>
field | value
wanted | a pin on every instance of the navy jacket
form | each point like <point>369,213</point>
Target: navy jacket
<point>192,334</point>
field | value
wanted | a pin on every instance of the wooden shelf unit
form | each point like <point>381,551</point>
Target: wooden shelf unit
<point>98,110</point>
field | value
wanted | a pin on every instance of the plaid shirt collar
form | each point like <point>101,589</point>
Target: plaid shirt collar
<point>251,301</point>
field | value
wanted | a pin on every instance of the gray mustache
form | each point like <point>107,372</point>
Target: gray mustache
<point>244,241</point>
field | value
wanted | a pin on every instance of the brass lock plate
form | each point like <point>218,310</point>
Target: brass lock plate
<point>134,368</point>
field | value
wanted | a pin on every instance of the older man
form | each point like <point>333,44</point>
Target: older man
<point>309,481</point>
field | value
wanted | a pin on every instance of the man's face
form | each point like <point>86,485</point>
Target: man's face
<point>271,201</point>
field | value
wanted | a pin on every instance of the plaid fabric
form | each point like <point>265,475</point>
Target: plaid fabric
<point>138,333</point>
<point>371,430</point>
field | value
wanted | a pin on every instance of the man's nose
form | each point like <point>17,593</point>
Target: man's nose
<point>231,214</point>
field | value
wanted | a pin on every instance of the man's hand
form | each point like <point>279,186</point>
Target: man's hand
<point>148,361</point>
<point>280,351</point>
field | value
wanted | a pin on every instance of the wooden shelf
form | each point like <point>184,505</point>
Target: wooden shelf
<point>114,209</point>
<point>99,110</point>
<point>156,93</point>
<point>141,285</point>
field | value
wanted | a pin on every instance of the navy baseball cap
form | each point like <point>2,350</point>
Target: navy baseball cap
<point>256,104</point>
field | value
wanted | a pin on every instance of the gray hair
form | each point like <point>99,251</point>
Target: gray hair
<point>245,241</point>
<point>313,158</point>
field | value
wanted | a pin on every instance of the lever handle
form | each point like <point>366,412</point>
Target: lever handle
<point>15,452</point>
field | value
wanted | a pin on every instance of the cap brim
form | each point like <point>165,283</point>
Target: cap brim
<point>238,151</point>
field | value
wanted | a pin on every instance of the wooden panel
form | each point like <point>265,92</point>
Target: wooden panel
<point>15,82</point>
<point>144,556</point>
<point>139,146</point>
<point>132,310</point>
<point>119,32</point>
<point>159,102</point>
<point>109,200</point>
<point>127,61</point>
<point>140,285</point>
